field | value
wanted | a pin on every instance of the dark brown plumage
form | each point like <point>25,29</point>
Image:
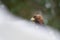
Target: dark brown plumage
<point>38,19</point>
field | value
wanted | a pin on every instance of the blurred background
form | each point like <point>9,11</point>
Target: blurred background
<point>50,9</point>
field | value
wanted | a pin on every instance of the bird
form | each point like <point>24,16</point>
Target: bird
<point>37,19</point>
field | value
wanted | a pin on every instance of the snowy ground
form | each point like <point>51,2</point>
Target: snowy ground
<point>14,28</point>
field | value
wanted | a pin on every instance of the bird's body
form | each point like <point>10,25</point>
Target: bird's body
<point>37,19</point>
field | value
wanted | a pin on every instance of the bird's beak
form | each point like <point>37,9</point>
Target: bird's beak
<point>32,19</point>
